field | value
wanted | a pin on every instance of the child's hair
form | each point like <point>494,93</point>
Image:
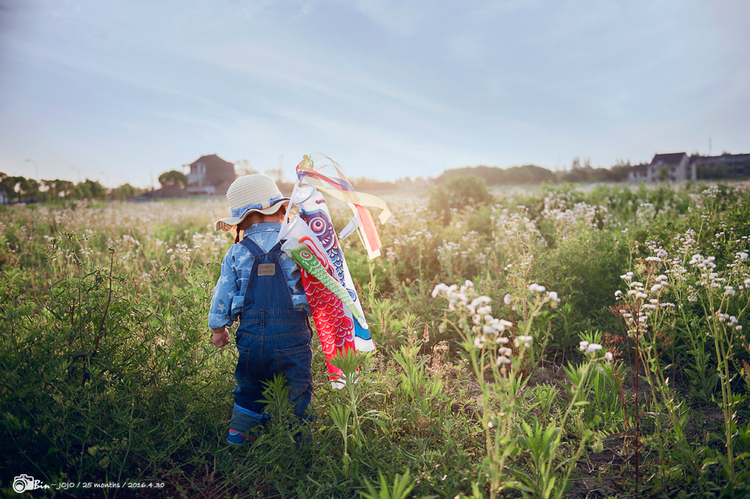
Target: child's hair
<point>251,219</point>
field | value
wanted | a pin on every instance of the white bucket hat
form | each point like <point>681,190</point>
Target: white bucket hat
<point>251,193</point>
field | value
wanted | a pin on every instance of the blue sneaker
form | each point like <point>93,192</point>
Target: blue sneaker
<point>238,438</point>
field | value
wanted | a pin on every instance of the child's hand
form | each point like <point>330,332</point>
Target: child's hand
<point>221,337</point>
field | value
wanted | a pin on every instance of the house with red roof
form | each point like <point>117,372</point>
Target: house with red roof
<point>210,175</point>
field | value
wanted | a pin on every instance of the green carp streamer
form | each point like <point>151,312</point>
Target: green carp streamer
<point>308,261</point>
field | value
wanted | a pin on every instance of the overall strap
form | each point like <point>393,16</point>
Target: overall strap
<point>276,247</point>
<point>252,247</point>
<point>268,296</point>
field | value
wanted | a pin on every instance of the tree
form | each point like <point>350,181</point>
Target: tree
<point>173,177</point>
<point>458,193</point>
<point>31,189</point>
<point>63,188</point>
<point>365,184</point>
<point>124,192</point>
<point>7,183</point>
<point>620,170</point>
<point>242,168</point>
<point>50,191</point>
<point>58,188</point>
<point>90,189</point>
<point>13,185</point>
<point>663,174</point>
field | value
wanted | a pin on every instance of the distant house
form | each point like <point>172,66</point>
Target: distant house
<point>210,175</point>
<point>672,167</point>
<point>727,166</point>
<point>170,191</point>
<point>639,173</point>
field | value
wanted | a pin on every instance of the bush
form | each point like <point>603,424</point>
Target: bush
<point>458,193</point>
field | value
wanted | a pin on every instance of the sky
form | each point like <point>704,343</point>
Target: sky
<point>123,90</point>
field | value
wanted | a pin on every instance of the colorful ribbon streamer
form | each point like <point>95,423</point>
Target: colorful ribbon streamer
<point>339,187</point>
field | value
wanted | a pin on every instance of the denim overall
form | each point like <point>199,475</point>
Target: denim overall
<point>272,338</point>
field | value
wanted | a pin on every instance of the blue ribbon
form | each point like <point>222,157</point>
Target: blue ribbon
<point>240,212</point>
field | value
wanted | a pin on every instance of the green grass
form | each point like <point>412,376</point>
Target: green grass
<point>107,374</point>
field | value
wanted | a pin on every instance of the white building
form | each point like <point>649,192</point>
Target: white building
<point>673,167</point>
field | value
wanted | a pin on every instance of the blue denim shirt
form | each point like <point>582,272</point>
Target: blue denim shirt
<point>230,290</point>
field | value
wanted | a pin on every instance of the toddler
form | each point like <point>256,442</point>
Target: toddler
<point>260,287</point>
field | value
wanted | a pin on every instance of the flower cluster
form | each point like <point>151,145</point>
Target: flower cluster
<point>646,212</point>
<point>485,326</point>
<point>590,349</point>
<point>490,331</point>
<point>536,288</point>
<point>642,306</point>
<point>517,232</point>
<point>731,320</point>
<point>568,221</point>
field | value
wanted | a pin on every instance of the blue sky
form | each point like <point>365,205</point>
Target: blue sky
<point>122,90</point>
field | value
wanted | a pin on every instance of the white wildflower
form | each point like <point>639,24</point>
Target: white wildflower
<point>536,288</point>
<point>502,360</point>
<point>484,310</point>
<point>438,289</point>
<point>480,300</point>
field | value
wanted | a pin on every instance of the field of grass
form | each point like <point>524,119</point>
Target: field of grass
<point>551,342</point>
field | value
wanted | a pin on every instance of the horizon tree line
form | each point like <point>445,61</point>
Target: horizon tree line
<point>19,189</point>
